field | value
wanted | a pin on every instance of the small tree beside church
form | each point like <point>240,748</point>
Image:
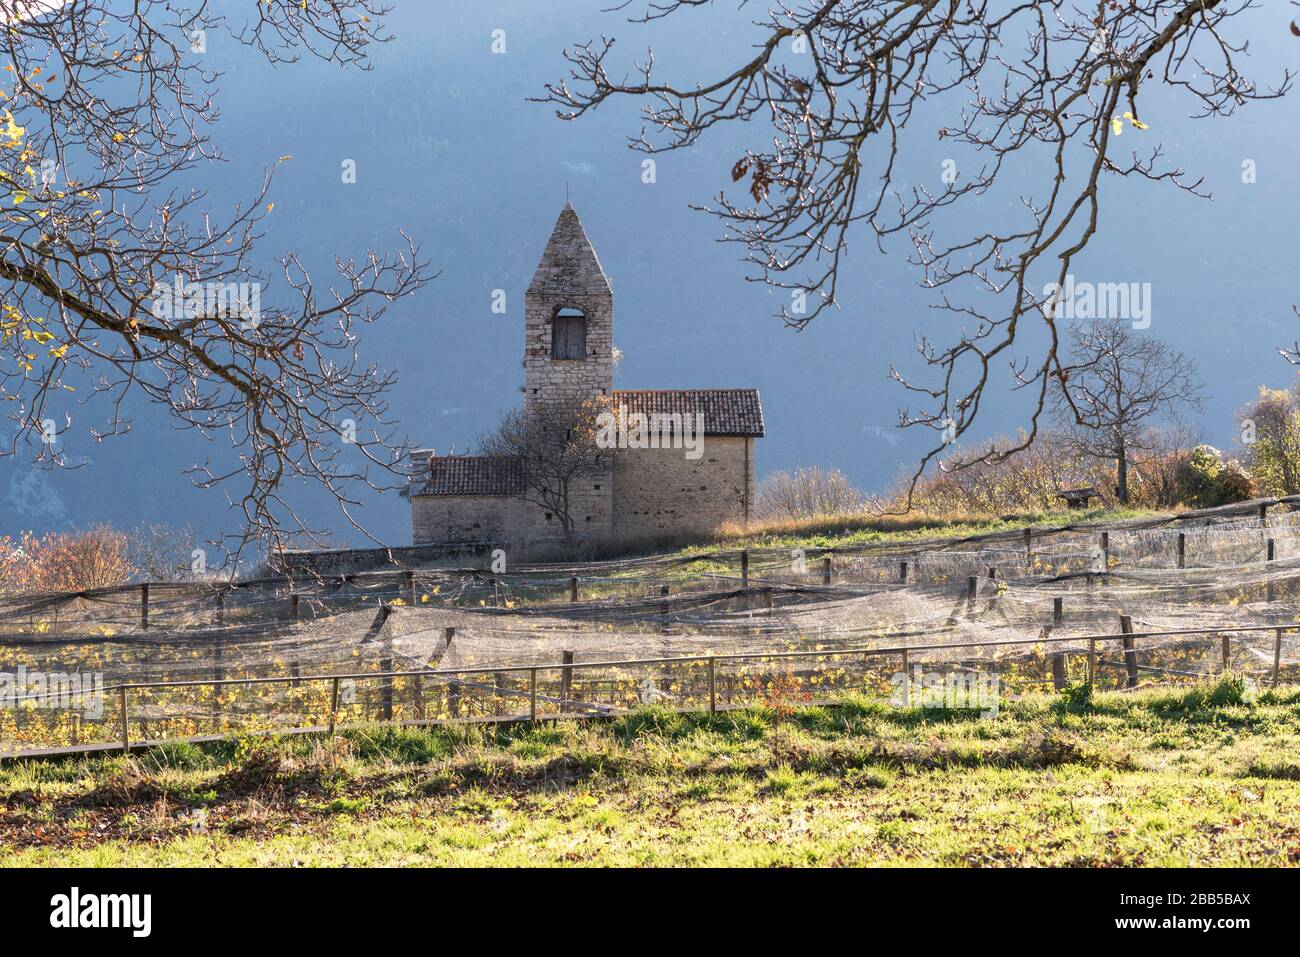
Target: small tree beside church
<point>557,444</point>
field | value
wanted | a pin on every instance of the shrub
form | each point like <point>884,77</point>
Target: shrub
<point>1205,480</point>
<point>1077,696</point>
<point>1025,482</point>
<point>807,493</point>
<point>64,561</point>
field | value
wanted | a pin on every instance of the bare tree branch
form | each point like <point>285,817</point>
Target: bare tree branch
<point>111,276</point>
<point>1044,94</point>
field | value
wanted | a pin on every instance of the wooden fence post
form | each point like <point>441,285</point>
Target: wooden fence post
<point>1227,649</point>
<point>453,686</point>
<point>409,583</point>
<point>566,681</point>
<point>126,727</point>
<point>972,585</point>
<point>386,690</point>
<point>744,568</point>
<point>1182,550</point>
<point>767,599</point>
<point>1058,657</point>
<point>334,706</point>
<point>907,680</point>
<point>1263,515</point>
<point>1058,670</point>
<point>1105,551</point>
<point>1092,661</point>
<point>826,570</point>
<point>573,588</point>
<point>1029,546</point>
<point>902,572</point>
<point>144,606</point>
<point>532,694</point>
<point>295,667</point>
<point>1269,552</point>
<point>218,674</point>
<point>417,696</point>
<point>221,607</point>
<point>1277,656</point>
<point>1130,650</point>
<point>713,688</point>
<point>498,693</point>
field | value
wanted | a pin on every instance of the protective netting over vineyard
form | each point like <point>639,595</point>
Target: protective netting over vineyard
<point>997,603</point>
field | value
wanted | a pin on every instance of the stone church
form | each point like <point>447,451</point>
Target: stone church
<point>637,494</point>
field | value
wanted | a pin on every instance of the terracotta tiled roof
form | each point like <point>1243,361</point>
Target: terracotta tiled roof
<point>726,411</point>
<point>472,475</point>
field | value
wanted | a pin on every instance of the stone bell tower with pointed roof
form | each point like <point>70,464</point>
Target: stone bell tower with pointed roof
<point>568,320</point>
<point>642,492</point>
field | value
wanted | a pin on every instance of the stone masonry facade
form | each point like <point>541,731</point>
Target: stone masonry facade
<point>658,493</point>
<point>638,494</point>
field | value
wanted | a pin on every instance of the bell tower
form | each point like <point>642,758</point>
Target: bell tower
<point>568,320</point>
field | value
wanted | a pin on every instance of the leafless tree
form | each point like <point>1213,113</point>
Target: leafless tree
<point>111,108</point>
<point>1119,385</point>
<point>557,444</point>
<point>1041,96</point>
<point>1165,450</point>
<point>807,493</point>
<point>159,552</point>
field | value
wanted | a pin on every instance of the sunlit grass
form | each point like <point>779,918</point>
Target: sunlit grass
<point>1192,776</point>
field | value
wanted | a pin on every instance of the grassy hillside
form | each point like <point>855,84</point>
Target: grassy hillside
<point>1207,775</point>
<point>859,528</point>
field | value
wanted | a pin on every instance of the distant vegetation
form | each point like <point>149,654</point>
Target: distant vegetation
<point>98,557</point>
<point>1165,474</point>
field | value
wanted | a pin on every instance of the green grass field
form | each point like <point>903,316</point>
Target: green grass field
<point>1207,775</point>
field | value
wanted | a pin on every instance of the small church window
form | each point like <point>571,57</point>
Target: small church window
<point>569,334</point>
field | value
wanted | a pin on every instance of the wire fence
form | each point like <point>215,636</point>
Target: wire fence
<point>572,690</point>
<point>203,659</point>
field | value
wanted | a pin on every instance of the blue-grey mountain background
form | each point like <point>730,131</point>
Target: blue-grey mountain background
<point>448,148</point>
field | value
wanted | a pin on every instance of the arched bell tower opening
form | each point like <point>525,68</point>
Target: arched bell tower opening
<point>569,334</point>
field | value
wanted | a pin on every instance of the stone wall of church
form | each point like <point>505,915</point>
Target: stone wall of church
<point>328,562</point>
<point>465,518</point>
<point>528,530</point>
<point>660,492</point>
<point>591,503</point>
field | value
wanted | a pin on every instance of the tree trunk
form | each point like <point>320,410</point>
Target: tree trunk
<point>1121,475</point>
<point>566,518</point>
